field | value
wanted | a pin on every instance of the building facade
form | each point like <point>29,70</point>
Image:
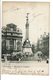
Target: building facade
<point>43,44</point>
<point>11,40</point>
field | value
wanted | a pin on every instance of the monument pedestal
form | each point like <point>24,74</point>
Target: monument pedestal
<point>27,48</point>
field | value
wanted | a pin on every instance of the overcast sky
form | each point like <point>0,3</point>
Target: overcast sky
<point>15,12</point>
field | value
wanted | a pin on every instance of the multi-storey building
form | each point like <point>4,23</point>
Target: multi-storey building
<point>11,39</point>
<point>43,44</point>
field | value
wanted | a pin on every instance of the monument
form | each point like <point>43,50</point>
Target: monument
<point>26,45</point>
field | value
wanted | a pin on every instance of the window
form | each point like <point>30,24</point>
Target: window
<point>8,33</point>
<point>12,44</point>
<point>11,29</point>
<point>19,46</point>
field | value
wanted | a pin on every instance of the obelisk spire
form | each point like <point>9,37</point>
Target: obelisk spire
<point>27,27</point>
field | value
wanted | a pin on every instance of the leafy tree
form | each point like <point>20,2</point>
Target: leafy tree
<point>34,50</point>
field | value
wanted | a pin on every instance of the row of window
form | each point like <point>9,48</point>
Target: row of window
<point>9,44</point>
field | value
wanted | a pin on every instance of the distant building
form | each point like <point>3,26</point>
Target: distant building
<point>43,44</point>
<point>11,39</point>
<point>44,40</point>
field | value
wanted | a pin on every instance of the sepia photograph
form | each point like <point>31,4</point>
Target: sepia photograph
<point>25,37</point>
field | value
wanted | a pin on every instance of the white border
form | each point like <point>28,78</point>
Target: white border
<point>29,0</point>
<point>50,77</point>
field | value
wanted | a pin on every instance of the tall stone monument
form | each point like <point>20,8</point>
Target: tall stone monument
<point>26,45</point>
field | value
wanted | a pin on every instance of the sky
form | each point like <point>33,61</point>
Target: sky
<point>39,19</point>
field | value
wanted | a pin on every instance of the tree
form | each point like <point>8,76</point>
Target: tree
<point>33,48</point>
